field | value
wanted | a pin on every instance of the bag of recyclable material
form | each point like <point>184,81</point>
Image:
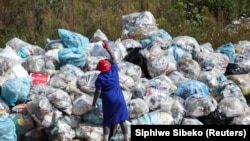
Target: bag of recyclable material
<point>60,131</point>
<point>64,80</point>
<point>95,116</point>
<point>213,61</point>
<point>228,88</point>
<point>241,120</point>
<point>138,25</point>
<point>233,68</point>
<point>41,64</point>
<point>174,107</point>
<point>188,67</point>
<point>160,62</point>
<point>214,118</point>
<point>23,122</point>
<point>86,83</point>
<point>198,105</point>
<point>190,87</point>
<point>227,49</point>
<point>98,36</point>
<point>130,69</point>
<point>7,129</point>
<point>232,107</point>
<point>188,43</point>
<point>243,81</point>
<point>89,132</point>
<point>137,107</point>
<point>82,104</point>
<point>139,89</point>
<point>16,90</point>
<point>75,48</point>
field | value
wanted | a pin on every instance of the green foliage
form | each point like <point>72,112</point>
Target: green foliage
<point>34,21</point>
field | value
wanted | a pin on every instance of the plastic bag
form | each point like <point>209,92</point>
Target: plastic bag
<point>214,118</point>
<point>233,68</point>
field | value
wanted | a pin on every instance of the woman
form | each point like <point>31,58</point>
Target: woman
<point>108,88</point>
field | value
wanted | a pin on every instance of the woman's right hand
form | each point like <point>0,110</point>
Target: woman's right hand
<point>105,44</point>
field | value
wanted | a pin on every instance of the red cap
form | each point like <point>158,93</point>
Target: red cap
<point>103,65</point>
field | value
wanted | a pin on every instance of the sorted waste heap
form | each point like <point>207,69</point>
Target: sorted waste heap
<point>166,80</point>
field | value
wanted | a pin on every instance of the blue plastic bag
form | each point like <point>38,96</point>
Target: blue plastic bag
<point>7,129</point>
<point>75,48</point>
<point>189,87</point>
<point>16,89</point>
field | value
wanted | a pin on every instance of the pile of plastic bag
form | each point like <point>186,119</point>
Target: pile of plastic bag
<point>165,80</point>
